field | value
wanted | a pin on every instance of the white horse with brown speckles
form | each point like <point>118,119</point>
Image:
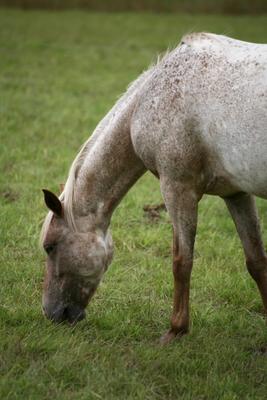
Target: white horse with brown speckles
<point>198,120</point>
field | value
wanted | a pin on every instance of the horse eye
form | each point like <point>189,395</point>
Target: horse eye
<point>49,248</point>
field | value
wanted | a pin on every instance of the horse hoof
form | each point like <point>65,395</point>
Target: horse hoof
<point>167,338</point>
<point>172,335</point>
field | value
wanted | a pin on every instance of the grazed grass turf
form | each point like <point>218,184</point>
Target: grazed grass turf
<point>59,74</point>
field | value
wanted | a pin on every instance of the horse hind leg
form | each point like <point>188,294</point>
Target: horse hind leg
<point>244,213</point>
<point>181,204</point>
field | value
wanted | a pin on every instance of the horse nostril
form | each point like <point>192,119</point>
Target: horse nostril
<point>56,315</point>
<point>60,315</point>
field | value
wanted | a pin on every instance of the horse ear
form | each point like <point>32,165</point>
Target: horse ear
<point>53,203</point>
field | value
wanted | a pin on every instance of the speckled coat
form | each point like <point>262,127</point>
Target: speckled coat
<point>198,121</point>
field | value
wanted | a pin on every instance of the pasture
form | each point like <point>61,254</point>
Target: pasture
<point>59,74</point>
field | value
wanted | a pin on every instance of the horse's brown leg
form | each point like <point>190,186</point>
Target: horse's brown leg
<point>244,213</point>
<point>181,204</point>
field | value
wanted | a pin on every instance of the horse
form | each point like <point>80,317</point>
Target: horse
<point>197,119</point>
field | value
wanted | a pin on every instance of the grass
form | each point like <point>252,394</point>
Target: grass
<point>60,73</point>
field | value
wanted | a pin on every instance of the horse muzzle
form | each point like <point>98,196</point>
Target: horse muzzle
<point>71,313</point>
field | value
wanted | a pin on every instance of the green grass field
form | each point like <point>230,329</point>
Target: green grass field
<point>59,74</point>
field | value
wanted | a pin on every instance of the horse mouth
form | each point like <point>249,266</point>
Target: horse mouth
<point>74,314</point>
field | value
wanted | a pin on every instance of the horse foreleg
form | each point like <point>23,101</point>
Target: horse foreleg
<point>244,213</point>
<point>181,204</point>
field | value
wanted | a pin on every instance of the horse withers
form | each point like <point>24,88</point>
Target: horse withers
<point>197,120</point>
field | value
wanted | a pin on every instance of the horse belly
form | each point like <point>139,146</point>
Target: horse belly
<point>245,165</point>
<point>238,147</point>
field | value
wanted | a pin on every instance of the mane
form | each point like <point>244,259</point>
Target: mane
<point>67,196</point>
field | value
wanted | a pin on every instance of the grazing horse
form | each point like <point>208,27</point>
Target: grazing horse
<point>198,121</point>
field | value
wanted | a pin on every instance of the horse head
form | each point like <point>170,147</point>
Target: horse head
<point>76,262</point>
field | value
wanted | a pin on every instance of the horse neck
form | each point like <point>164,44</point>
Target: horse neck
<point>109,168</point>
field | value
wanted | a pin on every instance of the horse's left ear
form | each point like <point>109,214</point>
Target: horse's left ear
<point>53,203</point>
